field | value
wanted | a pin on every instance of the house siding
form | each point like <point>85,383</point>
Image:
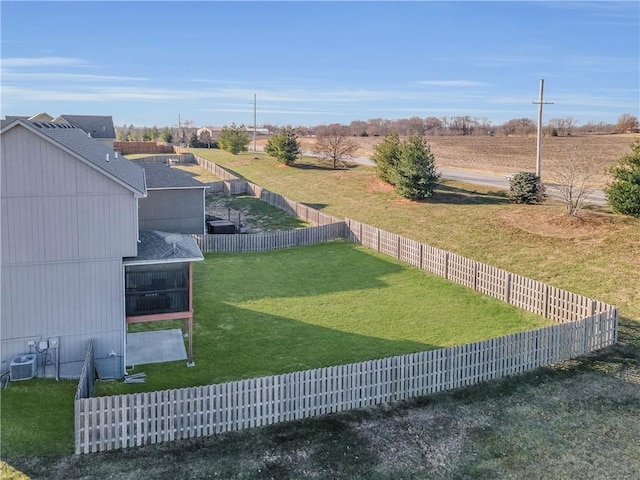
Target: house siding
<point>174,210</point>
<point>65,229</point>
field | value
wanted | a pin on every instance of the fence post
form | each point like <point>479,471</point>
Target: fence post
<point>446,265</point>
<point>507,293</point>
<point>475,275</point>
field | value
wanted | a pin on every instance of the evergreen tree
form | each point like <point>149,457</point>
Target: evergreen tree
<point>385,156</point>
<point>166,135</point>
<point>284,146</point>
<point>415,175</point>
<point>623,193</point>
<point>526,187</point>
<point>146,135</point>
<point>233,139</point>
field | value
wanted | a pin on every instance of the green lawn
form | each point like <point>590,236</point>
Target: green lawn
<point>260,314</point>
<point>36,417</point>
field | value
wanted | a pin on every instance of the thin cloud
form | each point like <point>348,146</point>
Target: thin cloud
<point>452,83</point>
<point>69,77</point>
<point>21,62</point>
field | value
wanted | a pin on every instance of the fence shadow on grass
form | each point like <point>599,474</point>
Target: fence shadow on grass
<point>317,206</point>
<point>245,343</point>
<point>458,196</point>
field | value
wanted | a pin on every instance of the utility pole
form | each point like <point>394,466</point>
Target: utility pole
<point>540,102</point>
<point>254,122</point>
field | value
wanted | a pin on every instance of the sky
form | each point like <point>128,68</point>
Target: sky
<point>309,63</point>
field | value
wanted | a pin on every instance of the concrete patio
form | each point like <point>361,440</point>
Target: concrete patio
<point>155,347</point>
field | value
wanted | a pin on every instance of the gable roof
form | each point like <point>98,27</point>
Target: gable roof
<point>99,126</point>
<point>162,176</point>
<point>95,154</point>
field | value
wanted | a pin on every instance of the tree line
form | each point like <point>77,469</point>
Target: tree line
<point>379,127</point>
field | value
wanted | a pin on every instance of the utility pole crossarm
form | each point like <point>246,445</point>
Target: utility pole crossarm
<point>540,102</point>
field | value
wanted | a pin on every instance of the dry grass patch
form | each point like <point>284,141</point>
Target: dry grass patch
<point>547,222</point>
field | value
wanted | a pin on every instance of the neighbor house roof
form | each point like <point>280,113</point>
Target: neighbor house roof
<point>162,176</point>
<point>99,126</point>
<point>94,153</point>
<point>163,247</point>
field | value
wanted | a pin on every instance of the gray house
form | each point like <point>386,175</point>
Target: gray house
<point>75,264</point>
<point>174,202</point>
<point>99,127</point>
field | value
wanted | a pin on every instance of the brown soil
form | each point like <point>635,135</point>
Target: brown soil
<point>547,222</point>
<point>502,155</point>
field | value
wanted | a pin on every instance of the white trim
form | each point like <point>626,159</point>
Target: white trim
<point>177,188</point>
<point>160,261</point>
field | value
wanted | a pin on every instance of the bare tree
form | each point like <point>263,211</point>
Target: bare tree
<point>334,143</point>
<point>358,128</point>
<point>433,125</point>
<point>416,126</point>
<point>205,137</point>
<point>571,180</point>
<point>519,126</point>
<point>627,123</point>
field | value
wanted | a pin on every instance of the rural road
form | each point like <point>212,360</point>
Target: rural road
<point>596,197</point>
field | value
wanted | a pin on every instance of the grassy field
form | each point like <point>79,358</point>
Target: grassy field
<point>579,419</point>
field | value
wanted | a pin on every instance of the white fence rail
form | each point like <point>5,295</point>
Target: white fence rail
<point>584,325</point>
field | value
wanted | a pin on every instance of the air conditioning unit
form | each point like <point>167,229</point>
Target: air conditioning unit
<point>23,367</point>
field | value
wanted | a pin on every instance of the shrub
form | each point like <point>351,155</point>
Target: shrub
<point>526,187</point>
<point>623,193</point>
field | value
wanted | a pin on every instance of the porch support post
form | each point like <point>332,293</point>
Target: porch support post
<point>191,363</point>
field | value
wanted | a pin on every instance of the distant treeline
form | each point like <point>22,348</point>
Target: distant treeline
<point>378,127</point>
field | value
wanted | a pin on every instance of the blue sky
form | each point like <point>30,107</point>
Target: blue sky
<point>149,63</point>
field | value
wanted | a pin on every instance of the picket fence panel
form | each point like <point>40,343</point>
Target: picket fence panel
<point>107,423</point>
<point>263,242</point>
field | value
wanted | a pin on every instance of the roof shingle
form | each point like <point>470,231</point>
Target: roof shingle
<point>160,175</point>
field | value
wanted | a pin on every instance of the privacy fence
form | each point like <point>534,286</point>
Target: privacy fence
<point>583,325</point>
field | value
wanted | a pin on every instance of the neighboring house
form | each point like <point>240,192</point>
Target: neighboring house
<point>75,264</point>
<point>175,200</point>
<point>99,127</point>
<point>215,131</point>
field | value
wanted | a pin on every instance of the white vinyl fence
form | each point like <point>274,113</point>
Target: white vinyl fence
<point>583,325</point>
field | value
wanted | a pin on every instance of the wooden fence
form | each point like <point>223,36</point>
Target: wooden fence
<point>263,242</point>
<point>107,423</point>
<point>87,375</point>
<point>531,295</point>
<point>143,147</point>
<point>584,325</point>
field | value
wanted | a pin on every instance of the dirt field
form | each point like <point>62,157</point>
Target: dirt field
<point>502,155</point>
